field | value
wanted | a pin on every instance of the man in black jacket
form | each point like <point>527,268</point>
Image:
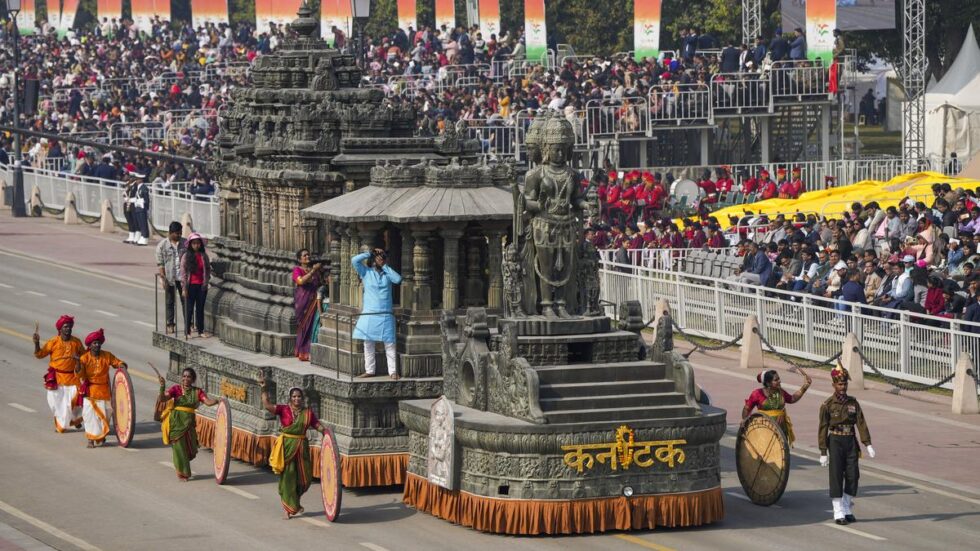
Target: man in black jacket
<point>729,59</point>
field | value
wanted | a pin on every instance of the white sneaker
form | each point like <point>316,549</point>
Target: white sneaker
<point>131,238</point>
<point>142,242</point>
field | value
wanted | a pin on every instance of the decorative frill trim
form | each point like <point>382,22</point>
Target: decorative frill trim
<point>578,516</point>
<point>360,471</point>
<point>245,446</point>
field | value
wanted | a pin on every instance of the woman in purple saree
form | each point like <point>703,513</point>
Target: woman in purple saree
<point>307,280</point>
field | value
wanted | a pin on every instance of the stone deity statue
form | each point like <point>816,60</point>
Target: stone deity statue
<point>555,208</point>
<point>513,282</point>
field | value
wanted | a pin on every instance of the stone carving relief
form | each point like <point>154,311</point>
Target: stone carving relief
<point>441,456</point>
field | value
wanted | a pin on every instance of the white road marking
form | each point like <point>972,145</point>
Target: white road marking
<point>855,532</point>
<point>77,542</point>
<point>35,293</point>
<point>372,546</point>
<point>167,464</point>
<point>110,314</point>
<point>143,323</point>
<point>315,522</point>
<point>5,286</point>
<point>22,408</point>
<point>236,491</point>
<point>746,498</point>
<point>68,302</point>
<point>128,449</point>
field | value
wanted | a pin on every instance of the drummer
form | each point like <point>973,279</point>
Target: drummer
<point>290,457</point>
<point>93,376</point>
<point>771,400</point>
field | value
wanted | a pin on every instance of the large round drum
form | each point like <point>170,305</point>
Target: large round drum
<point>685,188</point>
<point>330,478</point>
<point>762,459</point>
<point>222,441</point>
<point>123,407</point>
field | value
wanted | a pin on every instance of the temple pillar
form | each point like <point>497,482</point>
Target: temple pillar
<point>450,272</point>
<point>354,297</point>
<point>495,260</point>
<point>335,265</point>
<point>422,268</point>
<point>407,268</point>
<point>474,271</point>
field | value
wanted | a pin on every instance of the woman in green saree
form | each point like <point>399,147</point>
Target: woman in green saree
<point>179,420</point>
<point>290,457</point>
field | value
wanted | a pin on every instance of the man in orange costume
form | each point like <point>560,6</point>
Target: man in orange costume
<point>60,380</point>
<point>93,375</point>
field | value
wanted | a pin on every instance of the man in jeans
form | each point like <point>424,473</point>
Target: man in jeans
<point>168,260</point>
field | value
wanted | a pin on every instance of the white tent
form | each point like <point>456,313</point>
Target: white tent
<point>953,106</point>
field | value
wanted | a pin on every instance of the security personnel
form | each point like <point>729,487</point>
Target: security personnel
<point>841,422</point>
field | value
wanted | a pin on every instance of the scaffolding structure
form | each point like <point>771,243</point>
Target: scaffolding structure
<point>751,21</point>
<point>914,70</point>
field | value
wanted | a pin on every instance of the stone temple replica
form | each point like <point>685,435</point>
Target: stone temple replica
<point>553,421</point>
<point>522,408</point>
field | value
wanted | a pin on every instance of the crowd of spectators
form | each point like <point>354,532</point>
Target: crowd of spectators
<point>922,257</point>
<point>160,90</point>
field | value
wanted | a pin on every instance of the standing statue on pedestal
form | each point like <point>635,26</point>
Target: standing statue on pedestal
<point>554,208</point>
<point>513,283</point>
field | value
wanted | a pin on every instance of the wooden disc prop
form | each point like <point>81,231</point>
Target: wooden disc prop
<point>762,459</point>
<point>222,441</point>
<point>123,407</point>
<point>330,480</point>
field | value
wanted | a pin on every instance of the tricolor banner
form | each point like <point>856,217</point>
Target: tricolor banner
<point>145,10</point>
<point>821,20</point>
<point>407,16</point>
<point>208,11</point>
<point>646,29</point>
<point>109,10</point>
<point>280,12</point>
<point>26,18</point>
<point>535,31</point>
<point>335,13</point>
<point>490,18</point>
<point>446,14</point>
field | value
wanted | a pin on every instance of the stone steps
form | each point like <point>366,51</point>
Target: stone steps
<point>607,388</point>
<point>600,373</point>
<point>614,391</point>
<point>619,414</point>
<point>610,401</point>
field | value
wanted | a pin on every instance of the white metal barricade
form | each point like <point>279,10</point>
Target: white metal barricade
<point>679,104</point>
<point>798,81</point>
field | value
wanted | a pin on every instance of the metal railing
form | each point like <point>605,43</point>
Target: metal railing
<point>799,81</point>
<point>616,118</point>
<point>739,93</point>
<point>907,346</point>
<point>664,259</point>
<point>680,104</point>
<point>166,205</point>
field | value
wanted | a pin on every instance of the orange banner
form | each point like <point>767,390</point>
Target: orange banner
<point>54,12</point>
<point>821,20</point>
<point>490,17</point>
<point>280,12</point>
<point>209,11</point>
<point>407,15</point>
<point>445,14</point>
<point>646,29</point>
<point>109,9</point>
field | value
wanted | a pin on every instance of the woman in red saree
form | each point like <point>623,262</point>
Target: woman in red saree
<point>306,279</point>
<point>290,457</point>
<point>180,420</point>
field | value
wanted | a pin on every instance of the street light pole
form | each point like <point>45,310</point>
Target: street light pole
<point>18,209</point>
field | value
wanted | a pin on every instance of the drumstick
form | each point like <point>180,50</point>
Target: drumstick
<point>154,370</point>
<point>37,327</point>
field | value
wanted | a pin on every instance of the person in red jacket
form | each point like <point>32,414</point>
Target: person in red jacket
<point>798,187</point>
<point>783,187</point>
<point>715,239</point>
<point>698,239</point>
<point>751,185</point>
<point>725,184</point>
<point>709,188</point>
<point>767,189</point>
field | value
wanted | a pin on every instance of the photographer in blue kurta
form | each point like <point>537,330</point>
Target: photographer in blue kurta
<point>377,321</point>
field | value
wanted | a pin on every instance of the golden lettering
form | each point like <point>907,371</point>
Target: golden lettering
<point>231,390</point>
<point>625,452</point>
